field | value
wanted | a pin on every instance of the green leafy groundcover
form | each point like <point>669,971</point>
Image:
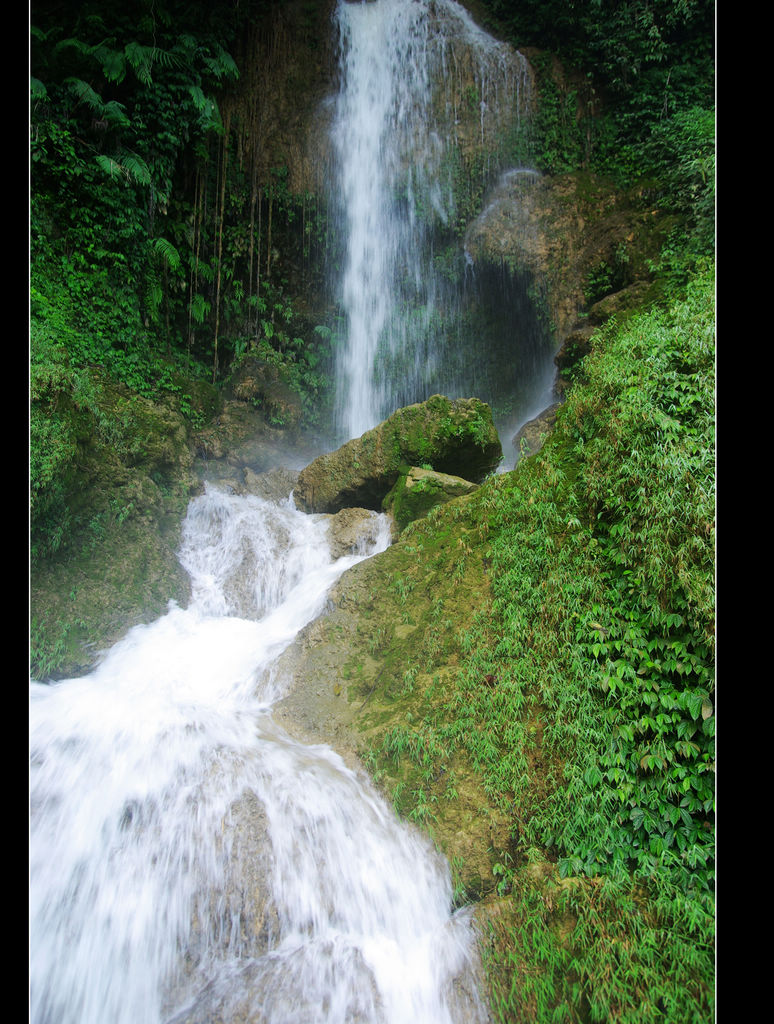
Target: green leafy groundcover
<point>604,605</point>
<point>595,733</point>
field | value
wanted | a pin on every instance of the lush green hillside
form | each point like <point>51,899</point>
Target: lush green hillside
<point>582,692</point>
<point>604,608</point>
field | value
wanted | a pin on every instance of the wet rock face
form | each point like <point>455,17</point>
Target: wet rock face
<point>261,383</point>
<point>561,227</point>
<point>532,435</point>
<point>456,437</point>
<point>347,530</point>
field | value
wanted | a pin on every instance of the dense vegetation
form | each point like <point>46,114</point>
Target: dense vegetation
<point>153,223</point>
<point>584,696</point>
<point>633,99</point>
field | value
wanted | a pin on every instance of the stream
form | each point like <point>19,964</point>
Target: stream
<point>189,860</point>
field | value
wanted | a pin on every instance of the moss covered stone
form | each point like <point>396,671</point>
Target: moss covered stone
<point>419,490</point>
<point>452,436</point>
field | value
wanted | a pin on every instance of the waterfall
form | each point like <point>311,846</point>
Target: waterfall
<point>429,107</point>
<point>190,860</point>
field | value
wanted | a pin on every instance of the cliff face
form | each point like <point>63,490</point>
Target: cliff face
<point>562,229</point>
<point>279,109</point>
<point>576,236</point>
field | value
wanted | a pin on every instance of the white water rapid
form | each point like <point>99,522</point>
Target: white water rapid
<point>422,91</point>
<point>189,860</point>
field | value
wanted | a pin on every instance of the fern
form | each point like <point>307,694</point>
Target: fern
<point>130,167</point>
<point>167,251</point>
<point>154,295</point>
<point>70,44</point>
<point>142,59</point>
<point>166,58</point>
<point>113,63</point>
<point>198,97</point>
<point>222,65</point>
<point>109,165</point>
<point>114,112</point>
<point>136,168</point>
<point>199,308</point>
<point>84,93</point>
<point>205,271</point>
<point>38,91</point>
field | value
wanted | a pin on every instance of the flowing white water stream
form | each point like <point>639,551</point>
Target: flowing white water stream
<point>420,84</point>
<point>189,860</point>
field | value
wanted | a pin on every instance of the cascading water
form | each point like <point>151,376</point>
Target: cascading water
<point>427,103</point>
<point>189,860</point>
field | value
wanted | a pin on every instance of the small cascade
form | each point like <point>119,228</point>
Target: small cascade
<point>429,107</point>
<point>189,860</point>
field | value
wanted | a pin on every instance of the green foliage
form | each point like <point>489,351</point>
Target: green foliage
<point>608,277</point>
<point>639,627</point>
<point>595,950</point>
<point>681,153</point>
<point>124,116</point>
<point>645,53</point>
<point>128,273</point>
<point>681,158</point>
<point>557,130</point>
<point>644,424</point>
<point>301,351</point>
<point>634,99</point>
<point>585,693</point>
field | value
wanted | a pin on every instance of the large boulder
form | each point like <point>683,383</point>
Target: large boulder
<point>455,436</point>
<point>560,227</point>
<point>349,530</point>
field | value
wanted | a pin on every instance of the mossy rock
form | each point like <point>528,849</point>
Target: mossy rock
<point>621,304</point>
<point>531,437</point>
<point>452,436</point>
<point>119,507</point>
<point>264,386</point>
<point>419,490</point>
